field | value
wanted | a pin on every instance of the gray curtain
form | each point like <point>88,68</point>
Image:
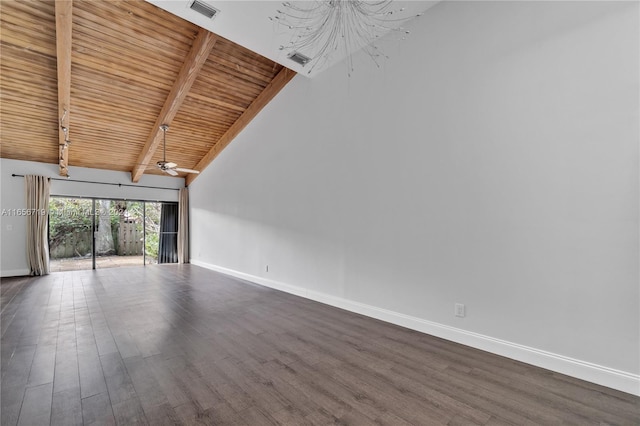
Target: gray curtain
<point>183,226</point>
<point>168,244</point>
<point>37,200</point>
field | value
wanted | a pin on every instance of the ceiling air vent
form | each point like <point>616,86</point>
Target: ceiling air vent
<point>299,58</point>
<point>204,9</point>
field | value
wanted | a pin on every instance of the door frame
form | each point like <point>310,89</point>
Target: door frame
<point>94,225</point>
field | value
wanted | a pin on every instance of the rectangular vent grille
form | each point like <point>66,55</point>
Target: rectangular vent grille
<point>299,58</point>
<point>204,9</point>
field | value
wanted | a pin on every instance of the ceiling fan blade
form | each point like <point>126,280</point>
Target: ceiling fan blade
<point>171,165</point>
<point>171,172</point>
<point>180,169</point>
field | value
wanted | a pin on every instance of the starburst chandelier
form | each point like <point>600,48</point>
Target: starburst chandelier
<point>322,29</point>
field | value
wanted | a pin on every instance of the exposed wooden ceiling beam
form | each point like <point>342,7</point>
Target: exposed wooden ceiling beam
<point>192,65</point>
<point>269,92</point>
<point>64,13</point>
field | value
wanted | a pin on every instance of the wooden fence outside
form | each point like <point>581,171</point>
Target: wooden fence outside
<point>74,244</point>
<point>128,241</point>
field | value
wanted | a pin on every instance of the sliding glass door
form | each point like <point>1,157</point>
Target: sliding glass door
<point>106,233</point>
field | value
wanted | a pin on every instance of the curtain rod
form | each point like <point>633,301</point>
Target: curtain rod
<point>105,183</point>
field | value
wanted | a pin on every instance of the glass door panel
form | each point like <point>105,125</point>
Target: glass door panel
<point>161,226</point>
<point>119,233</point>
<point>70,234</point>
<point>152,232</point>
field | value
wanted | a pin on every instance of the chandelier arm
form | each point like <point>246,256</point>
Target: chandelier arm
<point>323,28</point>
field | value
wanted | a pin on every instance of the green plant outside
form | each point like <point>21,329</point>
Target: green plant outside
<point>73,215</point>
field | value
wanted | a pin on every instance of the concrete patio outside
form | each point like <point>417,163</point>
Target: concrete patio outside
<point>82,263</point>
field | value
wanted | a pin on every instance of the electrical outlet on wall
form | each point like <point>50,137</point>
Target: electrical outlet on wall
<point>459,310</point>
<point>266,268</point>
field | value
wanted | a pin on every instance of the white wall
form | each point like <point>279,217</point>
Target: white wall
<point>492,161</point>
<point>13,232</point>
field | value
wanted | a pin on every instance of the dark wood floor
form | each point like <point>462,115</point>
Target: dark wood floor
<point>183,345</point>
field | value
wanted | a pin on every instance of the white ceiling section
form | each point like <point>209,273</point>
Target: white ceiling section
<point>247,23</point>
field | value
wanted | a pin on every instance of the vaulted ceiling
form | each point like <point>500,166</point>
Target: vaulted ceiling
<point>120,69</point>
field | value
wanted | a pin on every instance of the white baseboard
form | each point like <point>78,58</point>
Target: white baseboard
<point>4,273</point>
<point>612,378</point>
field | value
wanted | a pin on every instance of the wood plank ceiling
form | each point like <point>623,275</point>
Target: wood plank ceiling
<point>133,67</point>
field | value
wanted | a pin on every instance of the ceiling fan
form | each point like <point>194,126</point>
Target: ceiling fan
<point>167,166</point>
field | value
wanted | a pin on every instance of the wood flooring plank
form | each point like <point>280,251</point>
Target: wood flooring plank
<point>324,392</point>
<point>162,415</point>
<point>391,419</point>
<point>9,414</point>
<point>545,400</point>
<point>10,338</point>
<point>474,395</point>
<point>66,408</point>
<point>462,421</point>
<point>146,339</point>
<point>43,365</point>
<point>90,373</point>
<point>178,344</point>
<point>10,287</point>
<point>261,392</point>
<point>291,416</point>
<point>409,399</point>
<point>16,372</point>
<point>96,410</point>
<point>49,332</point>
<point>232,393</point>
<point>322,417</point>
<point>296,403</point>
<point>129,413</point>
<point>36,406</point>
<point>256,416</point>
<point>194,387</point>
<point>220,414</point>
<point>66,370</point>
<point>118,382</point>
<point>126,344</point>
<point>410,406</point>
<point>146,386</point>
<point>104,341</point>
<point>496,421</point>
<point>172,386</point>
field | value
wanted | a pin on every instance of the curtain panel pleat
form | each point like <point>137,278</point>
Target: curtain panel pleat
<point>183,226</point>
<point>37,189</point>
